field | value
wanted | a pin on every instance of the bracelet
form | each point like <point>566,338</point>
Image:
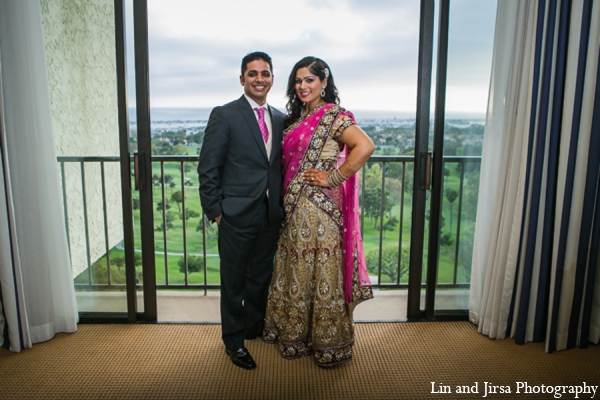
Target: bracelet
<point>335,178</point>
<point>340,174</point>
<point>330,183</point>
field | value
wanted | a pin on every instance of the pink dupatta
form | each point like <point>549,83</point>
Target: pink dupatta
<point>301,148</point>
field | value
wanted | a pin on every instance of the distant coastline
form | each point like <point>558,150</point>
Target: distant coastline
<point>392,132</point>
<point>181,117</point>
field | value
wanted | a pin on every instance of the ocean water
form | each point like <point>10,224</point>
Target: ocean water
<point>196,117</point>
<point>202,114</point>
<point>179,114</point>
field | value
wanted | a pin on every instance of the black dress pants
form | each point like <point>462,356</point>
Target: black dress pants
<point>246,268</point>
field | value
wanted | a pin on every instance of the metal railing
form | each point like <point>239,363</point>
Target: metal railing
<point>394,172</point>
<point>180,160</point>
<point>83,209</point>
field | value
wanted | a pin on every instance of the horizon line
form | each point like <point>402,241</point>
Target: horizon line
<point>361,109</point>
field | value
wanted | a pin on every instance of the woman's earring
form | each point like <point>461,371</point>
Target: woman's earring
<point>323,92</point>
<point>294,98</point>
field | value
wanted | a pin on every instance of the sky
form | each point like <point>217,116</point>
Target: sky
<point>196,47</point>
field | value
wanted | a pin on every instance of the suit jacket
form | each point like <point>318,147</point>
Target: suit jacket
<point>234,170</point>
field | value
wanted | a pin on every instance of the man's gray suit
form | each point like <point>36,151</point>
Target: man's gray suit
<point>235,177</point>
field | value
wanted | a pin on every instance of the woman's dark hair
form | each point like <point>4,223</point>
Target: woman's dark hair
<point>317,67</point>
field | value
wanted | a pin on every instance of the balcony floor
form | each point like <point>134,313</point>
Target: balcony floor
<point>188,306</point>
<point>177,307</point>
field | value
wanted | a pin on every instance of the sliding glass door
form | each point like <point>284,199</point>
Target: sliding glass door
<point>414,75</point>
<point>455,69</point>
<point>459,133</point>
<point>86,61</point>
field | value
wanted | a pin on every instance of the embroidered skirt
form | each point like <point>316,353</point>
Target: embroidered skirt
<point>306,312</point>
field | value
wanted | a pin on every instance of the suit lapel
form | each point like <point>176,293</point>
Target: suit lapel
<point>277,123</point>
<point>248,114</point>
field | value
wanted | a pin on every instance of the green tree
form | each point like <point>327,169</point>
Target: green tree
<point>451,196</point>
<point>195,264</point>
<point>99,274</point>
<point>465,253</point>
<point>372,175</point>
<point>170,217</point>
<point>409,179</point>
<point>162,147</point>
<point>446,240</point>
<point>196,137</point>
<point>180,149</point>
<point>190,213</point>
<point>390,225</point>
<point>186,168</point>
<point>372,205</point>
<point>177,197</point>
<point>470,193</point>
<point>447,172</point>
<point>394,188</point>
<point>119,262</point>
<point>175,138</point>
<point>394,170</point>
<point>168,179</point>
<point>159,205</point>
<point>389,262</point>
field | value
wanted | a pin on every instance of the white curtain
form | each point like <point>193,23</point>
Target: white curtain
<point>37,294</point>
<point>495,250</point>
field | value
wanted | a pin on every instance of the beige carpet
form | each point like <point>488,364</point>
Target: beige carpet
<point>392,361</point>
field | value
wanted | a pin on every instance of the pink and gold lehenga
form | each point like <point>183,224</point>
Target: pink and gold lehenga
<point>319,274</point>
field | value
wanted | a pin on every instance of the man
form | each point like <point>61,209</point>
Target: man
<point>240,190</point>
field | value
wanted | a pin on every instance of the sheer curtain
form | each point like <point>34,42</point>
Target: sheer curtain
<point>498,213</point>
<point>535,255</point>
<point>37,294</point>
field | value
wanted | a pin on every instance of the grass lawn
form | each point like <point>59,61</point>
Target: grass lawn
<point>194,239</point>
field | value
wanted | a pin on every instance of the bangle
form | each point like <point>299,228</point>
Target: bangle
<point>340,174</point>
<point>335,178</point>
<point>330,183</point>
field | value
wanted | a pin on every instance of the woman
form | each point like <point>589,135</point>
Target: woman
<point>319,273</point>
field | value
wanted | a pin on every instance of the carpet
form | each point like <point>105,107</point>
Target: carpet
<point>422,360</point>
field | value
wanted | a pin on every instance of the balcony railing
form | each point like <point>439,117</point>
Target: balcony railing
<point>386,203</point>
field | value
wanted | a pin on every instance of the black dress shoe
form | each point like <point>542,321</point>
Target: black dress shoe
<point>241,357</point>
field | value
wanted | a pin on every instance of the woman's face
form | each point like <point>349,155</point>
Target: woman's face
<point>308,87</point>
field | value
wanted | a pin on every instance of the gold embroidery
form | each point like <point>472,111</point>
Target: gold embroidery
<point>306,312</point>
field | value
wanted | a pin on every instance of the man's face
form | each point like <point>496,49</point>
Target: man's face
<point>257,81</point>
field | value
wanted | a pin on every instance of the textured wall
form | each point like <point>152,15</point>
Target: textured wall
<point>80,54</point>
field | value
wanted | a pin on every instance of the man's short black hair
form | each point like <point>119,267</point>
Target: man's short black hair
<point>256,55</point>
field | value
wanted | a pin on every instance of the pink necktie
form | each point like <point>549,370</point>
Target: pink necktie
<point>261,123</point>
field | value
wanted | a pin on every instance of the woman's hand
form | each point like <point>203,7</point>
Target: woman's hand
<point>315,177</point>
<point>361,147</point>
